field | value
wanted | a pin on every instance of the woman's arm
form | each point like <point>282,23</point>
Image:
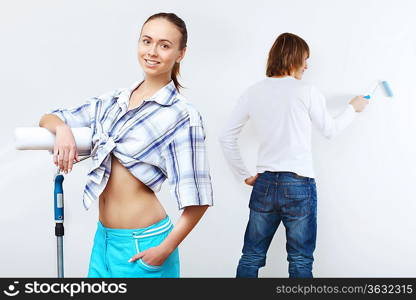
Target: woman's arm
<point>50,122</point>
<point>189,177</point>
<point>59,122</point>
<point>65,149</point>
<point>157,255</point>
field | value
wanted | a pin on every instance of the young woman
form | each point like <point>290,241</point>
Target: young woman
<point>141,135</point>
<point>282,108</point>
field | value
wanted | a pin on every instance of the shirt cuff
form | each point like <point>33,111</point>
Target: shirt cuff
<point>351,108</point>
<point>350,113</point>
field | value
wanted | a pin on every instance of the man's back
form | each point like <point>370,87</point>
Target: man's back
<point>282,111</point>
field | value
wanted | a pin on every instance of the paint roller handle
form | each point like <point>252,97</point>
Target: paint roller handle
<point>59,205</point>
<point>385,87</point>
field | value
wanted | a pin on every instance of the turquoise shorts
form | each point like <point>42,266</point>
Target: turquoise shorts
<point>113,248</point>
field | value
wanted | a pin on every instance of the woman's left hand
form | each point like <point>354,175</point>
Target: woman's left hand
<point>154,256</point>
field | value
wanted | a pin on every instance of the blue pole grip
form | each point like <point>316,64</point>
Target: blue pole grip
<point>367,97</point>
<point>59,198</point>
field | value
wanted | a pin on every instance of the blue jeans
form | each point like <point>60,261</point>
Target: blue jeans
<point>286,197</point>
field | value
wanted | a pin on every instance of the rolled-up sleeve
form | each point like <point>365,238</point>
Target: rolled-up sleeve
<point>187,166</point>
<point>79,116</point>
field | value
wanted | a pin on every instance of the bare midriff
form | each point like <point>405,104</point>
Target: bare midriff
<point>126,202</point>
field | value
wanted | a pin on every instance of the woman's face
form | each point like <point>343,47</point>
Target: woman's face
<point>299,72</point>
<point>158,49</point>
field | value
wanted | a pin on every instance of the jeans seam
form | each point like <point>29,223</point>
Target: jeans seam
<point>261,202</point>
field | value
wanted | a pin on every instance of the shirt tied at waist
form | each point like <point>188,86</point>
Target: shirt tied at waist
<point>106,144</point>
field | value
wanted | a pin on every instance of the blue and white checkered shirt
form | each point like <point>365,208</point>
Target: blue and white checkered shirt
<point>162,138</point>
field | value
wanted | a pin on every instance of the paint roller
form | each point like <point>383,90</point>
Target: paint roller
<point>385,86</point>
<point>38,138</point>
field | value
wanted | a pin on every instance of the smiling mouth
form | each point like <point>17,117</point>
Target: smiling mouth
<point>151,62</point>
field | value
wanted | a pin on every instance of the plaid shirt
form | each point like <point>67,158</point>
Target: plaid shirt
<point>162,138</point>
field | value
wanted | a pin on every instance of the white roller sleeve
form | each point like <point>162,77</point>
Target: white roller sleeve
<point>39,138</point>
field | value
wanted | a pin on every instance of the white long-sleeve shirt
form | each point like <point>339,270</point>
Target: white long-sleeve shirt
<point>282,111</point>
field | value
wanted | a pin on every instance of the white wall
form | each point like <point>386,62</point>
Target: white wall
<point>58,53</point>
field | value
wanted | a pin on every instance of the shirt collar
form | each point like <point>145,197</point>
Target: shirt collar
<point>164,96</point>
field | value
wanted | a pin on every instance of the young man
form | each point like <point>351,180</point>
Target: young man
<point>283,109</point>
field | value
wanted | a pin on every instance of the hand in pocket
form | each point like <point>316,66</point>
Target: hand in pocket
<point>251,180</point>
<point>154,256</point>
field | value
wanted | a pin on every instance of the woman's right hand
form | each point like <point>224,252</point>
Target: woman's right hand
<point>65,148</point>
<point>359,103</point>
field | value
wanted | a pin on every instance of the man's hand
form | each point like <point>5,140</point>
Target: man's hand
<point>359,103</point>
<point>251,180</point>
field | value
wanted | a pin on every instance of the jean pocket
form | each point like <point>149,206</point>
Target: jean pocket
<point>147,266</point>
<point>297,199</point>
<point>261,199</point>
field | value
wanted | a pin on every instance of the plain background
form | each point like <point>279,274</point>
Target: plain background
<point>58,53</point>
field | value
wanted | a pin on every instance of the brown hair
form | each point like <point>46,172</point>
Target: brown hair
<point>180,25</point>
<point>287,54</point>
